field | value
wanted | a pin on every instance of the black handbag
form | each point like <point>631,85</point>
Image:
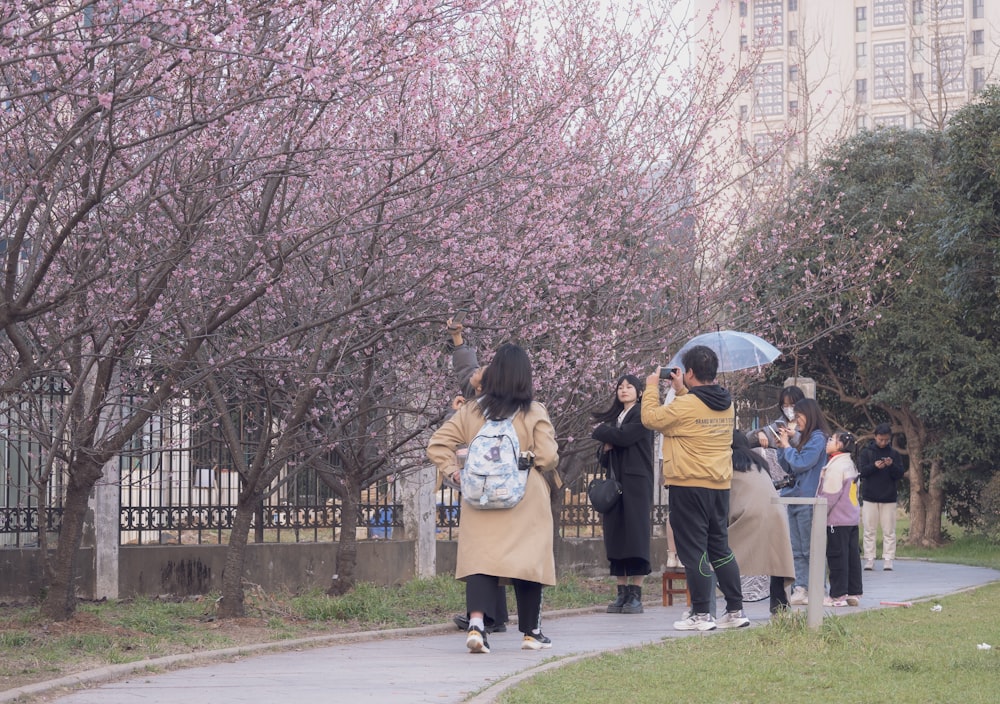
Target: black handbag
<point>604,494</point>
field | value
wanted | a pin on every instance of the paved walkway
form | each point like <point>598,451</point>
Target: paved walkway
<point>431,664</point>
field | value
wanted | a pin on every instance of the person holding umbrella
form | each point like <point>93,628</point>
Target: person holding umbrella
<point>697,428</point>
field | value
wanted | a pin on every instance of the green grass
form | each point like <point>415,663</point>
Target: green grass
<point>889,655</point>
<point>961,549</point>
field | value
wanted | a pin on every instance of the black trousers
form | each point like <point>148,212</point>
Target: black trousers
<point>481,594</point>
<point>779,598</point>
<point>699,518</point>
<point>843,556</point>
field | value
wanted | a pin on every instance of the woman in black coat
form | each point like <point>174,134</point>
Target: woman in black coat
<point>628,446</point>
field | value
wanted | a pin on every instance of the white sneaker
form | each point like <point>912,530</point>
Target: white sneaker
<point>887,566</point>
<point>869,565</point>
<point>696,622</point>
<point>800,597</point>
<point>733,619</point>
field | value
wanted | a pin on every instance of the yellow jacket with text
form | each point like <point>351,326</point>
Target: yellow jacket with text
<point>697,428</point>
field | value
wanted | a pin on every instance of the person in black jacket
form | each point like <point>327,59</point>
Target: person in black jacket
<point>627,446</point>
<point>881,467</point>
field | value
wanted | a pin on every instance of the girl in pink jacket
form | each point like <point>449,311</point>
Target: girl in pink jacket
<point>838,484</point>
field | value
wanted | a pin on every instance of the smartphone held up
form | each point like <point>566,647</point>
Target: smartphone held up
<point>668,372</point>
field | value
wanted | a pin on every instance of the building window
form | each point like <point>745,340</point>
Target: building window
<point>793,37</point>
<point>862,122</point>
<point>793,107</point>
<point>769,22</point>
<point>861,54</point>
<point>743,8</point>
<point>977,9</point>
<point>917,49</point>
<point>793,74</point>
<point>743,42</point>
<point>860,19</point>
<point>978,79</point>
<point>918,11</point>
<point>918,85</point>
<point>769,90</point>
<point>951,9</point>
<point>978,43</point>
<point>861,90</point>
<point>793,5</point>
<point>949,57</point>
<point>890,70</point>
<point>767,150</point>
<point>888,12</point>
<point>744,113</point>
<point>891,121</point>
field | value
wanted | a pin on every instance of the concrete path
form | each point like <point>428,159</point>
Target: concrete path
<point>431,664</point>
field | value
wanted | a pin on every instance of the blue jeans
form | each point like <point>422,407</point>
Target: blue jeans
<point>800,526</point>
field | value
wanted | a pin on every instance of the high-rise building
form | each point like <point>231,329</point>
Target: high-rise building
<point>824,69</point>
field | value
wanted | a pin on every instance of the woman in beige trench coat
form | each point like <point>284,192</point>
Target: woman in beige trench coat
<point>512,544</point>
<point>758,527</point>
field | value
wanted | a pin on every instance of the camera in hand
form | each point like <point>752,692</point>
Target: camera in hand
<point>526,461</point>
<point>667,372</point>
<point>784,482</point>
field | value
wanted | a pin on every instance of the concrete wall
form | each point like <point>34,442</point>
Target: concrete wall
<point>186,570</point>
<point>21,573</point>
<point>581,556</point>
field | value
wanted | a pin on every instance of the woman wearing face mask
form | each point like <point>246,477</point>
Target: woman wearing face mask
<point>805,459</point>
<point>628,446</point>
<point>765,440</point>
<point>766,437</point>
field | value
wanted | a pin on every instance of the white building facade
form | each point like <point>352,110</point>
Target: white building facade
<point>824,69</point>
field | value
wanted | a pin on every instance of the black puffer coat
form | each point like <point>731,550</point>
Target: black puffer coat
<point>627,526</point>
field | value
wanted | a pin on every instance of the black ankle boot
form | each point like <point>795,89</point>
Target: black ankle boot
<point>615,607</point>
<point>633,600</point>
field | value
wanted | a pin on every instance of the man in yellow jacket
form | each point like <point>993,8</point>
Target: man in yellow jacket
<point>697,428</point>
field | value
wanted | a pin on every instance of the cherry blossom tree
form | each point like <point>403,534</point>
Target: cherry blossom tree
<point>148,204</point>
<point>280,205</point>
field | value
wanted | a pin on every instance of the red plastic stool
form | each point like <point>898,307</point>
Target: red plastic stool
<point>670,576</point>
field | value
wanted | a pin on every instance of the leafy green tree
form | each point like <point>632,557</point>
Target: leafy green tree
<point>873,346</point>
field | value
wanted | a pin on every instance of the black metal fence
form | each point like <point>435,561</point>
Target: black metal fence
<point>177,486</point>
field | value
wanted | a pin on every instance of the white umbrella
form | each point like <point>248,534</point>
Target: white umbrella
<point>736,350</point>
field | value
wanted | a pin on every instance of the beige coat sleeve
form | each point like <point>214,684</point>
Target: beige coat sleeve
<point>452,434</point>
<point>543,443</point>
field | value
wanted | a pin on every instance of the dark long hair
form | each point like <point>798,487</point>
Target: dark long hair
<point>814,420</point>
<point>745,459</point>
<point>617,406</point>
<point>507,386</point>
<point>792,394</point>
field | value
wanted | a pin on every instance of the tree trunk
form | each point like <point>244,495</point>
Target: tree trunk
<point>232,604</point>
<point>347,549</point>
<point>935,504</point>
<point>919,500</point>
<point>59,603</point>
<point>44,569</point>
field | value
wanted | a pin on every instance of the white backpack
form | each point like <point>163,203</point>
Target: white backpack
<point>491,476</point>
